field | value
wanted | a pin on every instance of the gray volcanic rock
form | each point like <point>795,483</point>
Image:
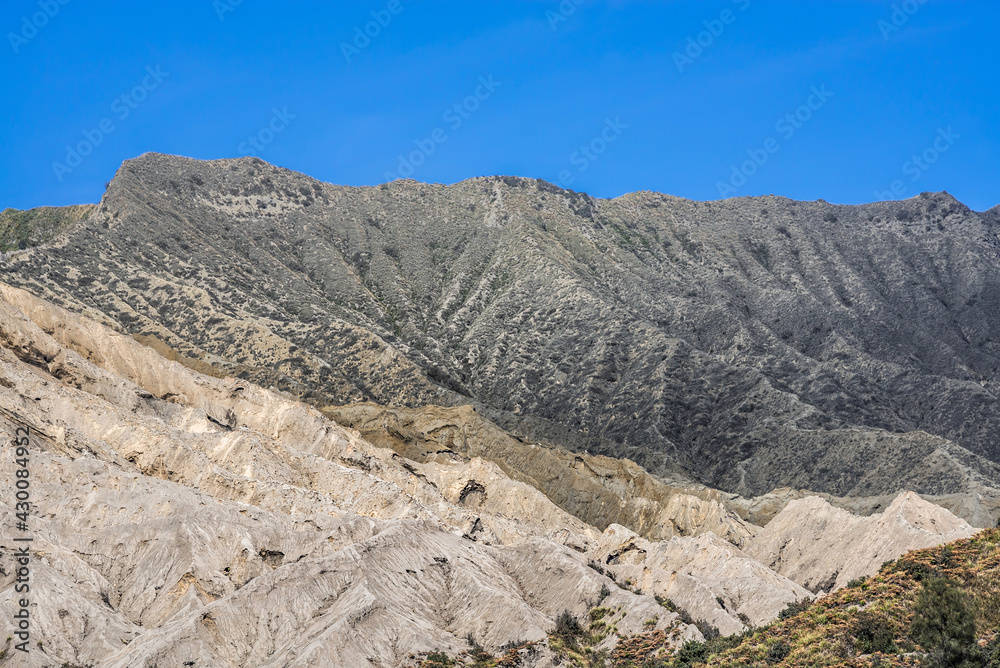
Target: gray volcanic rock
<point>750,344</point>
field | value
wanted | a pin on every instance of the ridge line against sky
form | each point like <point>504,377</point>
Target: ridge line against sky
<point>850,102</point>
<point>915,196</point>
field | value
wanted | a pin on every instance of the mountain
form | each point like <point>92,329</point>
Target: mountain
<point>276,422</point>
<point>745,345</point>
<point>178,518</point>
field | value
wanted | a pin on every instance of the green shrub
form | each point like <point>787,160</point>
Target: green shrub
<point>990,655</point>
<point>567,625</point>
<point>438,659</point>
<point>690,653</point>
<point>794,608</point>
<point>873,632</point>
<point>917,570</point>
<point>666,603</point>
<point>777,652</point>
<point>944,624</point>
<point>710,632</point>
<point>944,556</point>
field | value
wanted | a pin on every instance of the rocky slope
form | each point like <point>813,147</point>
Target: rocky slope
<point>711,579</point>
<point>823,548</point>
<point>599,490</point>
<point>878,621</point>
<point>23,229</point>
<point>747,344</point>
<point>182,518</point>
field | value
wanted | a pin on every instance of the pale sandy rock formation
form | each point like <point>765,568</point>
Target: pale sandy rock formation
<point>230,437</point>
<point>696,573</point>
<point>180,517</point>
<point>978,508</point>
<point>130,570</point>
<point>823,548</point>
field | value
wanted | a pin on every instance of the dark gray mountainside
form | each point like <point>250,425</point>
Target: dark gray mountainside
<point>749,343</point>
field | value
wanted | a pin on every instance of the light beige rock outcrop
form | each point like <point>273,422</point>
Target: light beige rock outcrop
<point>706,576</point>
<point>823,548</point>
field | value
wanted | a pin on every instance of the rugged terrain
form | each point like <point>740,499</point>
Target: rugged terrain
<point>937,607</point>
<point>178,517</point>
<point>277,422</point>
<point>746,345</point>
<point>823,548</point>
<point>599,490</point>
<point>24,229</point>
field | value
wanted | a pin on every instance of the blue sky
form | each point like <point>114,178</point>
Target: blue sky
<point>847,100</point>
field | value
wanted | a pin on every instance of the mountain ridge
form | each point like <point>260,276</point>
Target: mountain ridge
<point>156,155</point>
<point>690,299</point>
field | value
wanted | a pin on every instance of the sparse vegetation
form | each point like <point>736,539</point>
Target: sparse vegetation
<point>23,229</point>
<point>944,623</point>
<point>938,607</point>
<point>794,608</point>
<point>567,626</point>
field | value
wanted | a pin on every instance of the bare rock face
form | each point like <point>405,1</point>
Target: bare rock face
<point>706,576</point>
<point>823,548</point>
<point>599,490</point>
<point>182,518</point>
<point>748,344</point>
<point>977,509</point>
